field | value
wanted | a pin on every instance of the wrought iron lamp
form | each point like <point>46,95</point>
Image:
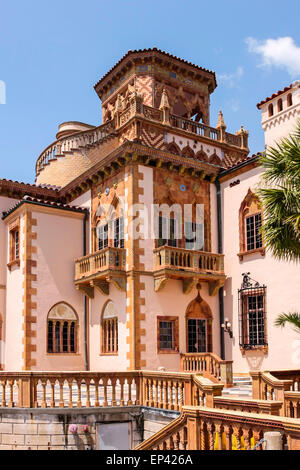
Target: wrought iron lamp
<point>227,328</point>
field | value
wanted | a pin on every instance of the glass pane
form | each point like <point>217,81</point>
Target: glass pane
<point>166,335</point>
<point>250,233</point>
<point>197,336</point>
<point>50,337</point>
<point>65,337</point>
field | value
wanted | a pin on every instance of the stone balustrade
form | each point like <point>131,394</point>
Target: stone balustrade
<point>189,260</point>
<point>74,142</point>
<point>203,428</point>
<point>210,365</point>
<point>94,263</point>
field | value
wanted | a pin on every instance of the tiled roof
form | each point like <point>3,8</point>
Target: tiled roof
<point>40,202</point>
<point>154,49</point>
<point>42,186</point>
<point>232,166</point>
<point>279,92</point>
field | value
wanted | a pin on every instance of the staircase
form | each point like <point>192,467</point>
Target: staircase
<point>242,387</point>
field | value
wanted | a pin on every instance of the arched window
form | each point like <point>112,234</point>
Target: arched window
<point>198,326</point>
<point>109,329</point>
<point>250,222</point>
<point>289,99</point>
<point>271,110</point>
<point>279,105</point>
<point>62,330</point>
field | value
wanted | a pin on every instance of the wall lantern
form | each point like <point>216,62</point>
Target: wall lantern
<point>227,328</point>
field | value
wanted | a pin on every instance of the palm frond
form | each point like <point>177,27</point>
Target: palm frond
<point>288,318</point>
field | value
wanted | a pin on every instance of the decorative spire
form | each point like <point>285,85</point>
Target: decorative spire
<point>221,123</point>
<point>164,104</point>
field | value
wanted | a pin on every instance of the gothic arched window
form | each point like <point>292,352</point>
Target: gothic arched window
<point>109,329</point>
<point>250,223</point>
<point>62,330</point>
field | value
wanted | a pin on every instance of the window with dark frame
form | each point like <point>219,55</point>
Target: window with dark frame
<point>167,334</point>
<point>14,253</point>
<point>119,232</point>
<point>197,335</point>
<point>252,314</point>
<point>110,340</point>
<point>167,227</point>
<point>62,332</point>
<point>102,235</point>
<point>193,236</point>
<point>253,232</point>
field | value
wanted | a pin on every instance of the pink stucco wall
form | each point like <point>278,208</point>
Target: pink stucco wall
<point>10,299</point>
<point>59,243</point>
<point>100,362</point>
<point>281,278</point>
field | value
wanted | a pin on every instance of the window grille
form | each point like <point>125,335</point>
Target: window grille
<point>252,314</point>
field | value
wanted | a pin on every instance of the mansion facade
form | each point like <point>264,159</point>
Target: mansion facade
<point>86,283</point>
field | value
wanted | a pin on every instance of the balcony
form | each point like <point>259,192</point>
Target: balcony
<point>99,269</point>
<point>190,266</point>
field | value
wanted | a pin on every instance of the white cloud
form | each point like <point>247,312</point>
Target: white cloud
<point>280,52</point>
<point>230,79</point>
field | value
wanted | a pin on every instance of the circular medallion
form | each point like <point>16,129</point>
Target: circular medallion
<point>183,188</point>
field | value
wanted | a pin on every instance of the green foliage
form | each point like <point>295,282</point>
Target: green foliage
<point>280,196</point>
<point>291,318</point>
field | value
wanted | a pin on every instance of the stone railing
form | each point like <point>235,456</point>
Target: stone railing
<point>209,365</point>
<point>77,141</point>
<point>108,258</point>
<point>282,386</point>
<point>163,390</point>
<point>195,127</point>
<point>189,260</point>
<point>248,405</point>
<point>202,428</point>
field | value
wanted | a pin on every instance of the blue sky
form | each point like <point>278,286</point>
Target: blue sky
<point>53,52</point>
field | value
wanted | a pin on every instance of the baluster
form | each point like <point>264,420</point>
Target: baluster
<point>129,392</point>
<point>211,435</point>
<point>247,438</point>
<point>88,398</point>
<point>52,402</point>
<point>137,391</point>
<point>176,396</point>
<point>238,434</point>
<point>228,436</point>
<point>3,385</point>
<point>105,403</point>
<point>70,384</point>
<point>122,403</point>
<point>177,441</point>
<point>165,388</point>
<point>151,393</point>
<point>44,401</point>
<point>161,405</point>
<point>113,384</point>
<point>11,394</point>
<point>61,393</point>
<point>97,403</point>
<point>79,402</point>
<point>181,401</point>
<point>156,404</point>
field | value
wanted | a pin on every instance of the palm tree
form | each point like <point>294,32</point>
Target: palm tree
<point>280,198</point>
<point>290,318</point>
<point>281,205</point>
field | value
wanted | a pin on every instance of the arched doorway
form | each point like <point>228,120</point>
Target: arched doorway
<point>198,326</point>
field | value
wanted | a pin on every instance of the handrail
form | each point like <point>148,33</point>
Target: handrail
<point>210,365</point>
<point>214,429</point>
<point>73,142</point>
<point>192,260</point>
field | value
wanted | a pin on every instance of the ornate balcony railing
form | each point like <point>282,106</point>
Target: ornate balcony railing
<point>69,144</point>
<point>209,365</point>
<point>202,428</point>
<point>95,263</point>
<point>188,260</point>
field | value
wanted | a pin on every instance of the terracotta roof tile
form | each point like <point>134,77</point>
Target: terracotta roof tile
<point>154,49</point>
<point>278,93</point>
